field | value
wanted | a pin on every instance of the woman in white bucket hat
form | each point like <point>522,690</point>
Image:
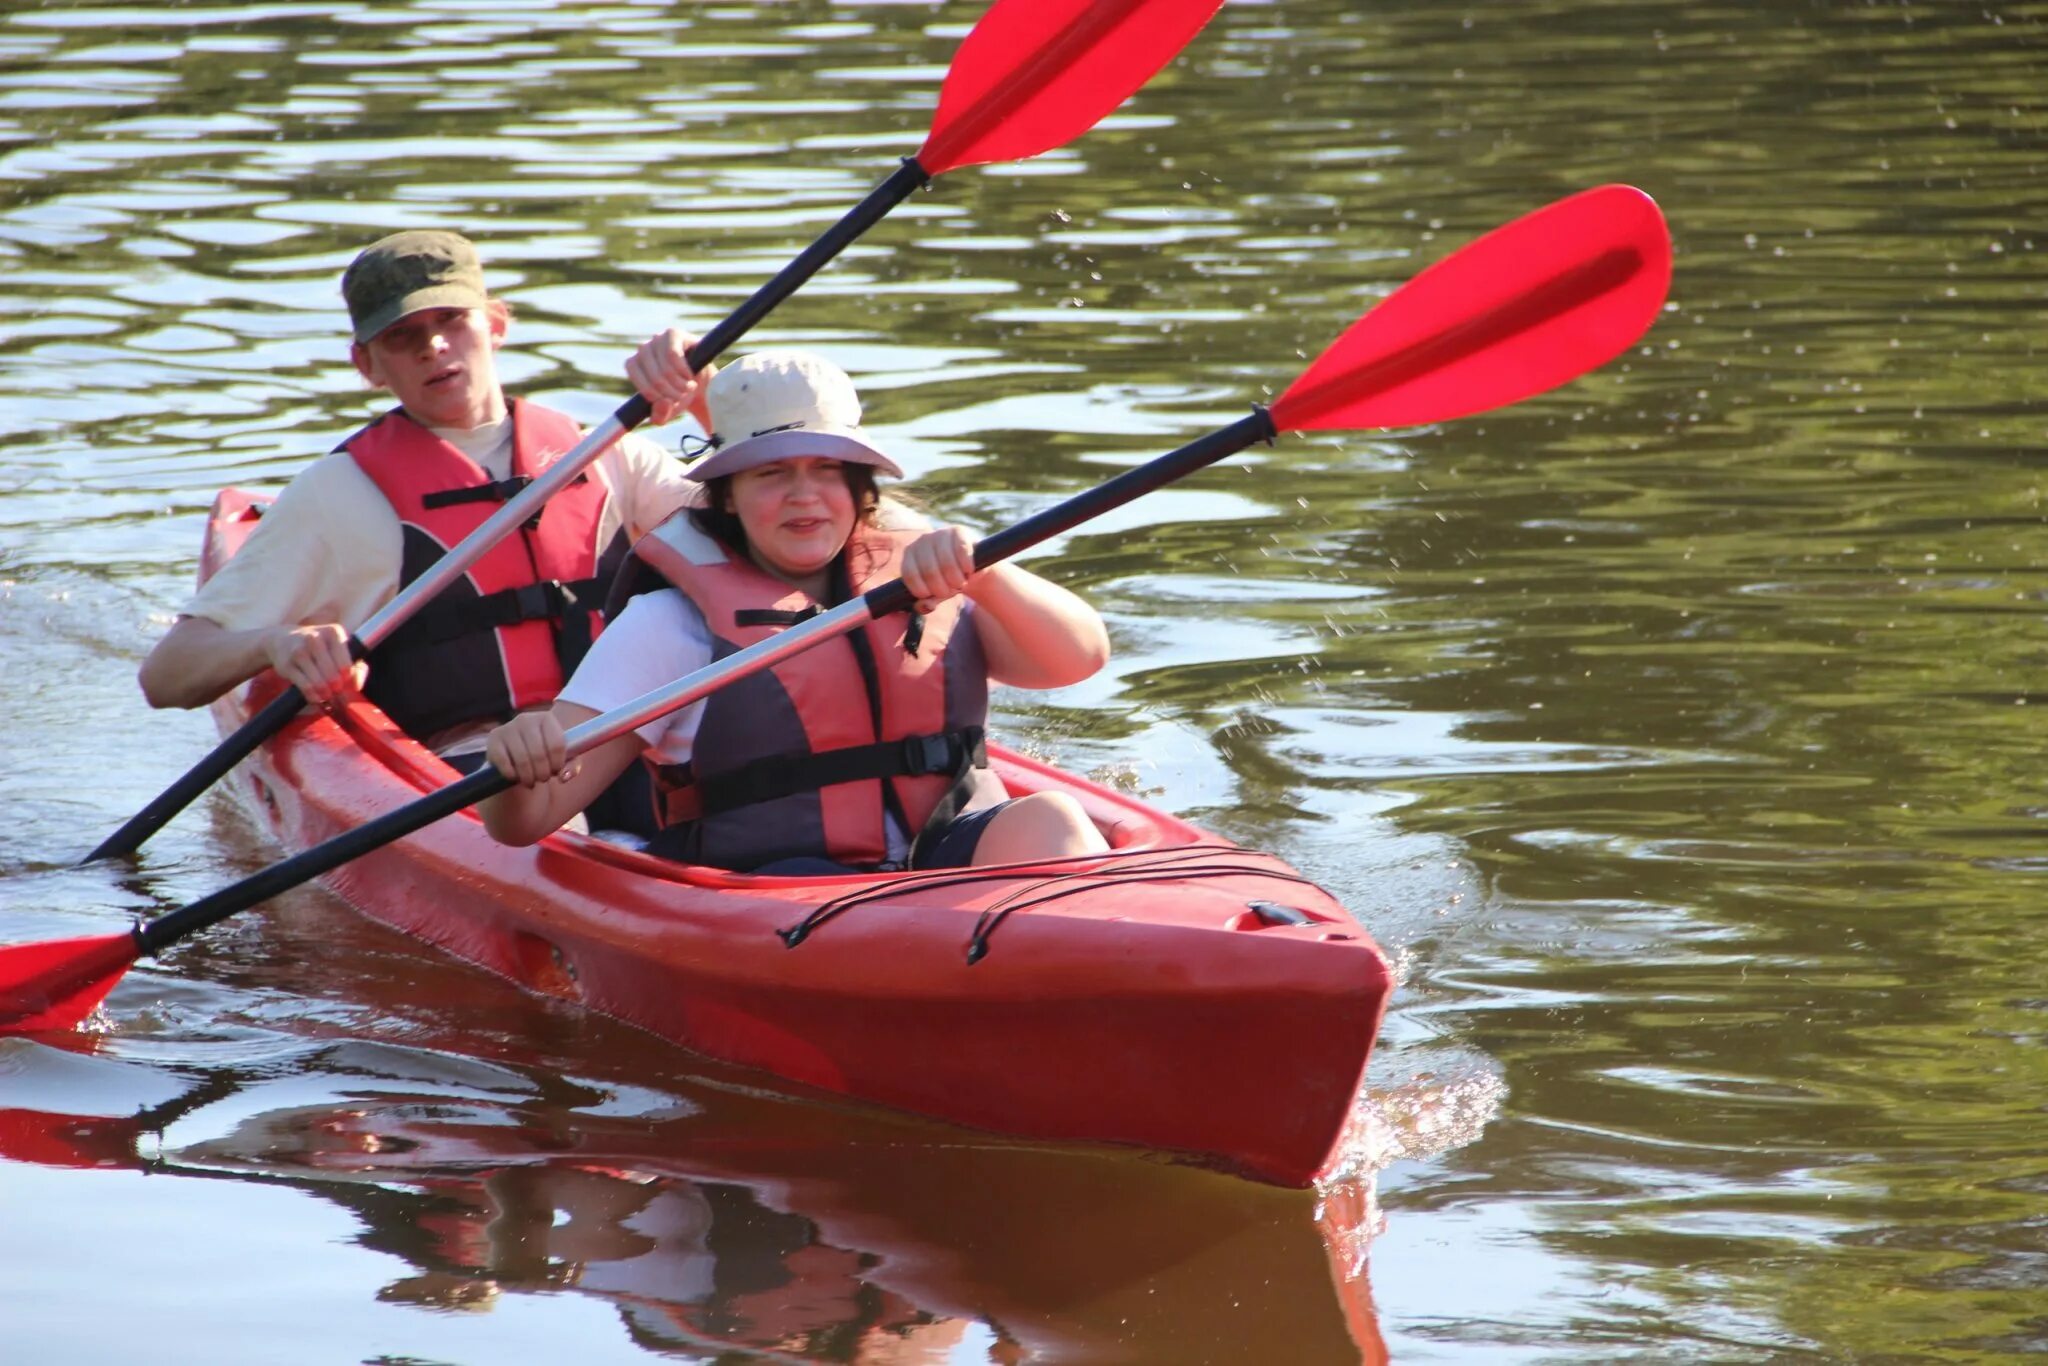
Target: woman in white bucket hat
<point>864,751</point>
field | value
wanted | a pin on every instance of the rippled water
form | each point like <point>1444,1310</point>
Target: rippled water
<point>1675,730</point>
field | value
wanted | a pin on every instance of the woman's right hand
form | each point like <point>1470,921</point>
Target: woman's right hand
<point>530,749</point>
<point>313,659</point>
<point>660,370</point>
<point>938,565</point>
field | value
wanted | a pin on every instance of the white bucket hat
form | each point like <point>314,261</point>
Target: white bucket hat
<point>784,405</point>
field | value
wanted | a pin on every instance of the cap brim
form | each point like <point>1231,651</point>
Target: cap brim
<point>434,296</point>
<point>816,443</point>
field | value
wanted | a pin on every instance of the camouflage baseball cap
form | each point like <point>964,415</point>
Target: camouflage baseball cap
<point>409,271</point>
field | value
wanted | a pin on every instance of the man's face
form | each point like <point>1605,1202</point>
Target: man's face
<point>439,363</point>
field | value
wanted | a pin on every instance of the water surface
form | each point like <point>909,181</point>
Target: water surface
<point>1675,731</point>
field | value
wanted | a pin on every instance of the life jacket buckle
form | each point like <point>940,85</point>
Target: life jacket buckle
<point>535,602</point>
<point>924,754</point>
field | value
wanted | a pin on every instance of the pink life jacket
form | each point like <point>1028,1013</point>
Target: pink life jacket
<point>509,632</point>
<point>807,757</point>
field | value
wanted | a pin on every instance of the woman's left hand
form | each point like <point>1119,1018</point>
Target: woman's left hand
<point>938,565</point>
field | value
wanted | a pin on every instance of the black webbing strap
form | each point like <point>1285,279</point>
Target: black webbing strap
<point>784,775</point>
<point>770,616</point>
<point>496,491</point>
<point>549,600</point>
<point>958,792</point>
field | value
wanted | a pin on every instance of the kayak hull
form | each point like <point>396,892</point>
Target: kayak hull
<point>1180,993</point>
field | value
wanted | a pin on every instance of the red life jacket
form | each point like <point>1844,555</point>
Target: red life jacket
<point>808,757</point>
<point>509,632</point>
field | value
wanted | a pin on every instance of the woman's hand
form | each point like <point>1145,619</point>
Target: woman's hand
<point>660,370</point>
<point>315,660</point>
<point>938,565</point>
<point>530,749</point>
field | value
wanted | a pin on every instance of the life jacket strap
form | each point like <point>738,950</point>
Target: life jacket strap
<point>496,491</point>
<point>549,600</point>
<point>686,797</point>
<point>771,616</point>
<point>959,791</point>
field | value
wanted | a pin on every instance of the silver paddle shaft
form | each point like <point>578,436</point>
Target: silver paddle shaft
<point>847,616</point>
<point>478,543</point>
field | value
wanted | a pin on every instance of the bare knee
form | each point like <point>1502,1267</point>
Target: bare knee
<point>1042,825</point>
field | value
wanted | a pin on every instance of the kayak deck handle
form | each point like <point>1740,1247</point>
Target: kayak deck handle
<point>1273,913</point>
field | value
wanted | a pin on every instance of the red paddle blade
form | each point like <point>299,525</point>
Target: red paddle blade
<point>1525,308</point>
<point>1036,73</point>
<point>54,985</point>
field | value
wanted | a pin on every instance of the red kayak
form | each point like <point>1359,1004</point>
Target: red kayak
<point>1177,993</point>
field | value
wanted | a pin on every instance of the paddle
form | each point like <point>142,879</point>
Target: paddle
<point>1522,310</point>
<point>1032,74</point>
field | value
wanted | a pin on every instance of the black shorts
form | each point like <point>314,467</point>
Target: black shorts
<point>950,847</point>
<point>953,846</point>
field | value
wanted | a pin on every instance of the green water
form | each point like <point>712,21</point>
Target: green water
<point>1675,730</point>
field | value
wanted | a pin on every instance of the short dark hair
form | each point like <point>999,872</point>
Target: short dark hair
<point>713,520</point>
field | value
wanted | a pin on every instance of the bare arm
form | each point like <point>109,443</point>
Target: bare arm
<point>531,749</point>
<point>1035,633</point>
<point>199,659</point>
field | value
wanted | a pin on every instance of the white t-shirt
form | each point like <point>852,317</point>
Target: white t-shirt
<point>659,638</point>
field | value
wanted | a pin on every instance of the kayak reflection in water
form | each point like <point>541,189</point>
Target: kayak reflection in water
<point>688,1265</point>
<point>353,529</point>
<point>865,751</point>
<point>849,1238</point>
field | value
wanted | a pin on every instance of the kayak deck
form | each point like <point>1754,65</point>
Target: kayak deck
<point>1178,993</point>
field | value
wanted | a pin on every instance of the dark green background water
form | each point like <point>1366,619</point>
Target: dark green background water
<point>1675,730</point>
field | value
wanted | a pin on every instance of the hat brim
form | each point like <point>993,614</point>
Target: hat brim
<point>818,443</point>
<point>434,296</point>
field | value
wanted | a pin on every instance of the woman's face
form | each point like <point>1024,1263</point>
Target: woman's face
<point>797,514</point>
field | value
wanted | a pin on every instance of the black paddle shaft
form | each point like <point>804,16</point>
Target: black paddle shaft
<point>304,866</point>
<point>207,771</point>
<point>904,181</point>
<point>1249,430</point>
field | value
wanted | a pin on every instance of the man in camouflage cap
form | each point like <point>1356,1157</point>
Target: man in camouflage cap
<point>355,526</point>
<point>409,271</point>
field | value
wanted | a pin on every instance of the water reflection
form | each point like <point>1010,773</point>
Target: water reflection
<point>1680,730</point>
<point>848,1238</point>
